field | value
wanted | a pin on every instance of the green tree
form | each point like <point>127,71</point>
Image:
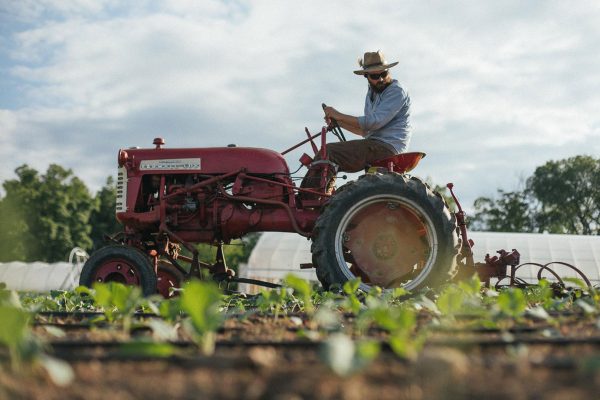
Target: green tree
<point>568,192</point>
<point>14,235</point>
<point>50,214</point>
<point>511,212</point>
<point>102,219</point>
<point>560,197</point>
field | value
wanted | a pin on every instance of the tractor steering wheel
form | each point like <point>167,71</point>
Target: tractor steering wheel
<point>334,128</point>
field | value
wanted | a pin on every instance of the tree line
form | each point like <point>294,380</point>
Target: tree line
<point>45,215</point>
<point>560,197</point>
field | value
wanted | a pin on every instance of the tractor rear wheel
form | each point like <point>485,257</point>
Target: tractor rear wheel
<point>121,264</point>
<point>390,230</point>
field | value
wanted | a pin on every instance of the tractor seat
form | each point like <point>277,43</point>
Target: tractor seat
<point>400,163</point>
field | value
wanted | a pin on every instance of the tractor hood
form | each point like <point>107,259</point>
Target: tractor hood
<point>212,160</point>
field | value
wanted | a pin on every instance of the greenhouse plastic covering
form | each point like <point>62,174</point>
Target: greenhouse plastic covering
<point>277,254</point>
<point>41,276</point>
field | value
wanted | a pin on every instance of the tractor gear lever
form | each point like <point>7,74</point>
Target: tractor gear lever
<point>335,127</point>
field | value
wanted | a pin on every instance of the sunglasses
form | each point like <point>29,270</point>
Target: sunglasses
<point>376,77</point>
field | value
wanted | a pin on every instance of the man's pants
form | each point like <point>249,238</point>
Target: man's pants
<point>351,156</point>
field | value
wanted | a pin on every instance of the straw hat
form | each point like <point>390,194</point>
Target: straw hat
<point>373,61</point>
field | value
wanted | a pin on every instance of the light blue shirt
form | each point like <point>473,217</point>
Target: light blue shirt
<point>387,117</point>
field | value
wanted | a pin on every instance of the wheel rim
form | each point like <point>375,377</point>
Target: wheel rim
<point>387,241</point>
<point>118,270</point>
<point>167,279</point>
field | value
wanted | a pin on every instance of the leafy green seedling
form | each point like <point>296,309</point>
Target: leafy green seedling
<point>118,301</point>
<point>170,309</point>
<point>9,297</point>
<point>471,286</point>
<point>272,300</point>
<point>201,301</point>
<point>352,303</point>
<point>540,294</point>
<point>14,331</point>
<point>577,282</point>
<point>451,300</point>
<point>302,290</point>
<point>405,345</point>
<point>15,334</point>
<point>512,302</point>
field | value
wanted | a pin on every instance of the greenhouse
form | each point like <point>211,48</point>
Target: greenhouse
<point>278,254</point>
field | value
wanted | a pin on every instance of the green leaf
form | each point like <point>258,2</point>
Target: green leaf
<point>200,300</point>
<point>14,326</point>
<point>114,295</point>
<point>170,309</point>
<point>471,286</point>
<point>367,350</point>
<point>578,282</point>
<point>512,302</point>
<point>451,300</point>
<point>10,298</point>
<point>147,349</point>
<point>351,286</point>
<point>302,288</point>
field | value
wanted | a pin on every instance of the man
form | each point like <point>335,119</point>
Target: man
<point>384,126</point>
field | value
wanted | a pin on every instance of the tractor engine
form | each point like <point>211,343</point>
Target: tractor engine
<point>204,194</point>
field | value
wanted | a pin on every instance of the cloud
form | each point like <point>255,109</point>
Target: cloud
<point>496,88</point>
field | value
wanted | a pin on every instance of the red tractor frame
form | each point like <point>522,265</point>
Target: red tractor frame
<point>388,228</point>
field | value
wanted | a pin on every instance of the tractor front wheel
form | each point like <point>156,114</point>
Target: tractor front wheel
<point>121,264</point>
<point>390,230</point>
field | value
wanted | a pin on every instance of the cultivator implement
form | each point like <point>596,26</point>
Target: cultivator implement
<point>504,266</point>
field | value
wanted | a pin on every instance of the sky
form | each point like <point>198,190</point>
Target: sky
<point>497,88</point>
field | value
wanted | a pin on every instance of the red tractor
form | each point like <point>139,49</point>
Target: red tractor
<point>388,228</point>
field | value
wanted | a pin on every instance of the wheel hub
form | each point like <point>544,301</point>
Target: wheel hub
<point>387,241</point>
<point>117,271</point>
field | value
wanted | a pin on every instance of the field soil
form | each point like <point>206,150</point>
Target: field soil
<point>266,358</point>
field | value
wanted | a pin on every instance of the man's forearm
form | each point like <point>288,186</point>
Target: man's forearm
<point>350,123</point>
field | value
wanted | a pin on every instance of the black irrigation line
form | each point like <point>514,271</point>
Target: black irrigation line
<point>89,326</point>
<point>86,314</point>
<point>93,314</point>
<point>78,316</point>
<point>113,351</point>
<point>60,346</point>
<point>437,329</point>
<point>480,329</point>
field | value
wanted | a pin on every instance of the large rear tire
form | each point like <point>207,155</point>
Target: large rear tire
<point>390,230</point>
<point>120,264</point>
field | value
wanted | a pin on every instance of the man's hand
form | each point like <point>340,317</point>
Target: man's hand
<point>347,122</point>
<point>331,113</point>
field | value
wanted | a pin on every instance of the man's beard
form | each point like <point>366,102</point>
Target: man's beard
<point>379,86</point>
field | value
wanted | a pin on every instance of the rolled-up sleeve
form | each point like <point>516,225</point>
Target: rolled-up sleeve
<point>391,103</point>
